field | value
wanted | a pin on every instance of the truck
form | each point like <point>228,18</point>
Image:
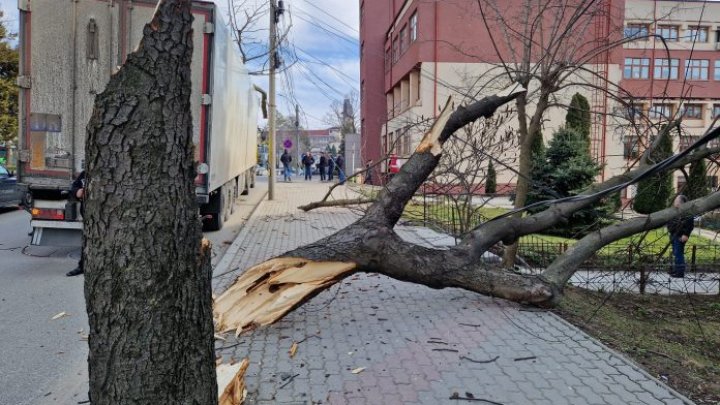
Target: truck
<point>68,51</point>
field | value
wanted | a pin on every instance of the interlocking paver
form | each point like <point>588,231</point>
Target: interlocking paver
<point>385,325</point>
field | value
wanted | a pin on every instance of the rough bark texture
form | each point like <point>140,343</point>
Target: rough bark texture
<point>147,274</point>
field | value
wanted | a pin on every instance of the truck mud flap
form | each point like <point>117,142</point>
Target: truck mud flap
<point>56,237</point>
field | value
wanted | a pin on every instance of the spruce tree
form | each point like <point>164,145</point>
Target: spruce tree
<point>697,185</point>
<point>578,116</point>
<point>567,169</point>
<point>654,193</point>
<point>491,181</point>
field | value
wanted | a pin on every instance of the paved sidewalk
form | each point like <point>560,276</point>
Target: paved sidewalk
<point>416,345</point>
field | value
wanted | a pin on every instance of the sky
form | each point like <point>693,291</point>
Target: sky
<point>323,33</point>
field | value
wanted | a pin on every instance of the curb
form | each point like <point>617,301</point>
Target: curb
<point>221,268</point>
<point>625,359</point>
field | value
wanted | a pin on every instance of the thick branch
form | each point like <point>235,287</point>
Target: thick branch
<point>564,266</point>
<point>391,201</point>
<point>508,230</point>
<point>336,203</point>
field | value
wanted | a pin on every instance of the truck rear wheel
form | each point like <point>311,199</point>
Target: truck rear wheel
<point>217,212</point>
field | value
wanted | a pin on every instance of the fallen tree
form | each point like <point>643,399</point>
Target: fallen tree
<point>371,245</point>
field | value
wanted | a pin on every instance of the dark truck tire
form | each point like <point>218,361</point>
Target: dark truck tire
<point>216,209</point>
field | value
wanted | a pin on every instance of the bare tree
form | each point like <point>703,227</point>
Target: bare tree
<point>147,273</point>
<point>247,20</point>
<point>266,292</point>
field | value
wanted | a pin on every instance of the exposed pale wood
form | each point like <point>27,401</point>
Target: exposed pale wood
<point>231,383</point>
<point>266,292</point>
<point>431,141</point>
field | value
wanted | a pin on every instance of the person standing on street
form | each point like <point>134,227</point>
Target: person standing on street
<point>307,161</point>
<point>331,167</point>
<point>340,163</point>
<point>322,166</point>
<point>679,229</point>
<point>77,190</point>
<point>286,159</point>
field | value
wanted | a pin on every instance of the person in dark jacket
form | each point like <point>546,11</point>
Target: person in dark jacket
<point>308,160</point>
<point>331,167</point>
<point>285,159</point>
<point>679,229</point>
<point>77,190</point>
<point>322,166</point>
<point>340,163</point>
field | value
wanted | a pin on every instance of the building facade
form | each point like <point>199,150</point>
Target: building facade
<point>415,54</point>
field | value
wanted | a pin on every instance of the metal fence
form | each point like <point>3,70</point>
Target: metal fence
<point>640,268</point>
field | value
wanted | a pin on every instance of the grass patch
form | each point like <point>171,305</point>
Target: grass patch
<point>675,338</point>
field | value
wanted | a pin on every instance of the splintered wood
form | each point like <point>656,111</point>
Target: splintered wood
<point>232,378</point>
<point>268,291</point>
<point>431,140</point>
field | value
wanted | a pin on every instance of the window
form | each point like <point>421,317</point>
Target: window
<point>407,143</point>
<point>633,111</point>
<point>388,59</point>
<point>413,27</point>
<point>716,74</point>
<point>631,148</point>
<point>692,111</point>
<point>669,32</point>
<point>716,110</point>
<point>666,68</point>
<point>661,111</point>
<point>697,34</point>
<point>687,141</point>
<point>636,68</point>
<point>403,40</point>
<point>636,30</point>
<point>395,50</point>
<point>696,69</point>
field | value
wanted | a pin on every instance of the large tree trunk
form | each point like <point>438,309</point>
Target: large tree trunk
<point>147,275</point>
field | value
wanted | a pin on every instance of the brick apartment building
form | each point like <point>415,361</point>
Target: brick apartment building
<point>416,53</point>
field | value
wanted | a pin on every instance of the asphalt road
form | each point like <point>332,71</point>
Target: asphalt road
<point>44,361</point>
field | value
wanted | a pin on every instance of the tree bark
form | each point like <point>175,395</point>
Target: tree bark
<point>147,274</point>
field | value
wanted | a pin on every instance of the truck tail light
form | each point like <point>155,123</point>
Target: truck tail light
<point>47,213</point>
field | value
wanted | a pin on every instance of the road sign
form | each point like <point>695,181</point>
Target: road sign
<point>287,144</point>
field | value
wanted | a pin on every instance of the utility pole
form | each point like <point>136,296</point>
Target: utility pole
<point>275,13</point>
<point>297,134</point>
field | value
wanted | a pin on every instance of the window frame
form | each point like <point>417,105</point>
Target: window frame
<point>633,30</point>
<point>702,71</point>
<point>638,68</point>
<point>698,29</point>
<point>413,27</point>
<point>660,29</point>
<point>671,66</point>
<point>696,108</point>
<point>653,112</point>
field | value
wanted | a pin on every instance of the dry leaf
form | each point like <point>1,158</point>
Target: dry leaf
<point>220,337</point>
<point>358,370</point>
<point>293,349</point>
<point>60,315</point>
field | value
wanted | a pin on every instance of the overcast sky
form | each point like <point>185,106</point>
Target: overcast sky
<point>323,32</point>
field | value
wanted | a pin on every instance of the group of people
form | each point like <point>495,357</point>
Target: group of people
<point>327,165</point>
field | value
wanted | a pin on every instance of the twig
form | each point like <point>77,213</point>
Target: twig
<point>456,396</point>
<point>526,358</point>
<point>480,361</point>
<point>311,336</point>
<point>471,325</point>
<point>437,342</point>
<point>84,402</point>
<point>289,380</point>
<point>445,350</point>
<point>663,355</point>
<point>230,346</point>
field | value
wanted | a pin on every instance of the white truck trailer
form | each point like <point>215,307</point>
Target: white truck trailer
<point>68,51</point>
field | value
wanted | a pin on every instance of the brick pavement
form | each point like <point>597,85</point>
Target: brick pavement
<point>416,344</point>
